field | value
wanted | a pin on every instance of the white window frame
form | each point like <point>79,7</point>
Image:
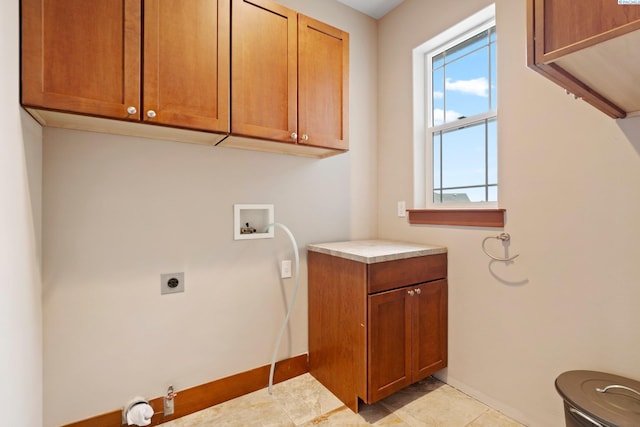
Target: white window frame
<point>422,115</point>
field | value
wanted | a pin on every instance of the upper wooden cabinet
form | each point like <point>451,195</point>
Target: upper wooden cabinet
<point>290,80</point>
<point>85,57</point>
<point>81,56</point>
<point>264,70</point>
<point>590,48</point>
<point>109,65</point>
<point>186,63</point>
<point>323,84</point>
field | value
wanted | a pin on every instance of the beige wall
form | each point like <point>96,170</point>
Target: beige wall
<point>20,216</point>
<point>569,180</point>
<point>120,211</point>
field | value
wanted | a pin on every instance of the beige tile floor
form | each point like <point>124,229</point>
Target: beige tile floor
<point>303,401</point>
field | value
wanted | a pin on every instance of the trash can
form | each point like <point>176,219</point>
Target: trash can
<point>599,399</point>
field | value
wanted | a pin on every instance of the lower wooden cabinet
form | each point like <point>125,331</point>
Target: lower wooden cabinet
<point>407,336</point>
<point>376,328</point>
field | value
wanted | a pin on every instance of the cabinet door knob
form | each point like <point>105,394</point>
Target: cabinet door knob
<point>305,137</point>
<point>410,293</point>
<point>132,110</point>
<point>294,136</point>
<point>418,291</point>
<point>151,114</point>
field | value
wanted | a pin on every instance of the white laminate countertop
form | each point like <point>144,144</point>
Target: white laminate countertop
<point>373,251</point>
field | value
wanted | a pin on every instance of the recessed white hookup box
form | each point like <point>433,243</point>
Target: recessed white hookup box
<point>252,221</point>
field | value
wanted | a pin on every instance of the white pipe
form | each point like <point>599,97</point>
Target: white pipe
<point>293,299</point>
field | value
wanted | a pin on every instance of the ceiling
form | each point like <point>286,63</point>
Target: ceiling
<point>374,8</point>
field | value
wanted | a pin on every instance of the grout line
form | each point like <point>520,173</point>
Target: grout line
<point>476,418</point>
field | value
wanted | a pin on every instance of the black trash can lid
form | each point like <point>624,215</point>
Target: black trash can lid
<point>617,404</point>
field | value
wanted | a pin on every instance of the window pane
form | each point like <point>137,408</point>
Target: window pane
<point>467,46</point>
<point>467,85</point>
<point>438,97</point>
<point>464,195</point>
<point>436,160</point>
<point>438,60</point>
<point>454,196</point>
<point>494,78</point>
<point>463,156</point>
<point>492,152</point>
<point>493,194</point>
<point>463,83</point>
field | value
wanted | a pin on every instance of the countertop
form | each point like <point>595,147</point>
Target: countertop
<point>374,251</point>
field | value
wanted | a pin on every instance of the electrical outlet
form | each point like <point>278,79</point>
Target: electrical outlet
<point>170,283</point>
<point>285,269</point>
<point>402,209</point>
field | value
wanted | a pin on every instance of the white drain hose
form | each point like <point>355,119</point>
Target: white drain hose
<point>293,299</point>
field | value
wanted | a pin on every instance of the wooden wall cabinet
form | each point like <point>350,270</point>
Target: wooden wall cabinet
<point>109,65</point>
<point>290,80</point>
<point>590,48</point>
<point>376,328</point>
<point>163,62</point>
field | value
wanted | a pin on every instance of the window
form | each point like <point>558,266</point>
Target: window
<point>455,111</point>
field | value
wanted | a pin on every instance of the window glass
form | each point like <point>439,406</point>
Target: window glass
<point>462,105</point>
<point>463,157</point>
<point>467,85</point>
<point>438,97</point>
<point>437,159</point>
<point>492,152</point>
<point>493,79</point>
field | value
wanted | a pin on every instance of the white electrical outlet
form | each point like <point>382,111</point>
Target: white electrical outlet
<point>285,269</point>
<point>402,209</point>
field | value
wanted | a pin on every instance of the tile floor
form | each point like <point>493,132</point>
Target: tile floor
<point>303,401</point>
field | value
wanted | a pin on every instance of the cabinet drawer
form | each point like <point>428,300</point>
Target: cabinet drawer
<point>384,276</point>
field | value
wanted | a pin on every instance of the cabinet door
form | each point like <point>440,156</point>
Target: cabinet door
<point>589,49</point>
<point>186,63</point>
<point>264,78</point>
<point>323,85</point>
<point>82,56</point>
<point>429,329</point>
<point>565,26</point>
<point>389,347</point>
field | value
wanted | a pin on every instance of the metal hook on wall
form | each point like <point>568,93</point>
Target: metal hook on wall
<point>505,237</point>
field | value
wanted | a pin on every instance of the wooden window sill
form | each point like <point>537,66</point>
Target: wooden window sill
<point>464,217</point>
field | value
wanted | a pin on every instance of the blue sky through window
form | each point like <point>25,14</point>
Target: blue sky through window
<point>464,85</point>
<point>464,79</point>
